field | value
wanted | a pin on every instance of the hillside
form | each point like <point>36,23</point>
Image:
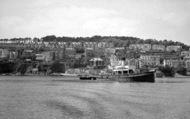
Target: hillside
<point>119,41</point>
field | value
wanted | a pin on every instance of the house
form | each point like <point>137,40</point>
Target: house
<point>156,47</point>
<point>131,63</point>
<point>173,48</point>
<point>140,47</point>
<point>4,53</point>
<point>13,55</point>
<point>40,57</point>
<point>114,61</point>
<point>71,52</point>
<point>172,60</point>
<point>187,64</point>
<point>97,62</point>
<point>149,60</point>
<point>186,58</point>
<point>44,56</point>
<point>88,45</point>
<point>76,44</point>
<point>185,53</point>
<point>109,52</point>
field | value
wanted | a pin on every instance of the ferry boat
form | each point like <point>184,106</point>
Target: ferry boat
<point>128,75</point>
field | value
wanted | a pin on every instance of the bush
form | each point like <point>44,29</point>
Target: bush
<point>22,68</point>
<point>182,71</point>
<point>159,74</point>
<point>7,67</point>
<point>168,71</point>
<point>58,67</point>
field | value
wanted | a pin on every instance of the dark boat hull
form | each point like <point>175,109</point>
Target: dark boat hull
<point>87,78</point>
<point>143,77</point>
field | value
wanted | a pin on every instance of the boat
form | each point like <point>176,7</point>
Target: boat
<point>128,75</point>
<point>87,77</point>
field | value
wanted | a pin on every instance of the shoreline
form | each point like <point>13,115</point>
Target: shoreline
<point>173,80</point>
<point>185,79</point>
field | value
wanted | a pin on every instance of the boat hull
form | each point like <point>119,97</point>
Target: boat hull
<point>87,77</point>
<point>143,77</point>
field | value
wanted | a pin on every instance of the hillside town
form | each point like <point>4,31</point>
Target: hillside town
<point>41,57</point>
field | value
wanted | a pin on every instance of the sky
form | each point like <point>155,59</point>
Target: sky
<point>156,19</point>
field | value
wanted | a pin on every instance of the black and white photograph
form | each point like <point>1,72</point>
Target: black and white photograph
<point>94,59</point>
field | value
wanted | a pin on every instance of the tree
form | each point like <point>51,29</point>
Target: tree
<point>168,71</point>
<point>7,67</point>
<point>58,67</point>
<point>49,38</point>
<point>182,71</point>
<point>23,68</point>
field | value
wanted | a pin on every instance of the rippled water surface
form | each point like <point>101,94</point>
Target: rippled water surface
<point>47,99</point>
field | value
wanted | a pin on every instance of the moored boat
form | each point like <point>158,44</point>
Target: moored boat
<point>127,75</point>
<point>87,77</point>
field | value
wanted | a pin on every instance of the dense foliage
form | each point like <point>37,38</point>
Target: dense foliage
<point>167,71</point>
<point>22,68</point>
<point>7,67</point>
<point>182,71</point>
<point>58,67</point>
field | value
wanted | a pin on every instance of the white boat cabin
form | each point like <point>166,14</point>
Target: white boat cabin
<point>122,70</point>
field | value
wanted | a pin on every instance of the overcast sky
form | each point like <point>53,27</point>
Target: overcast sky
<point>158,19</point>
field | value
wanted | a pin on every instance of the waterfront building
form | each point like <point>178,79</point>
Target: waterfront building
<point>132,63</point>
<point>187,64</point>
<point>96,62</point>
<point>149,60</point>
<point>114,61</point>
<point>4,53</point>
<point>27,55</point>
<point>129,62</point>
<point>172,60</point>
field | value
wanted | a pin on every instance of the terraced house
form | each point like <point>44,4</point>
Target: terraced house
<point>173,48</point>
<point>149,60</point>
<point>140,47</point>
<point>158,47</point>
<point>186,56</point>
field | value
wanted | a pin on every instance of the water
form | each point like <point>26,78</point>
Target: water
<point>42,98</point>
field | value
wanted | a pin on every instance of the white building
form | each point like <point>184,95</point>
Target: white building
<point>185,53</point>
<point>158,47</point>
<point>140,47</point>
<point>150,60</point>
<point>173,48</point>
<point>4,53</point>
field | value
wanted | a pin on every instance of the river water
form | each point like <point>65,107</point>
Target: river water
<point>42,98</point>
